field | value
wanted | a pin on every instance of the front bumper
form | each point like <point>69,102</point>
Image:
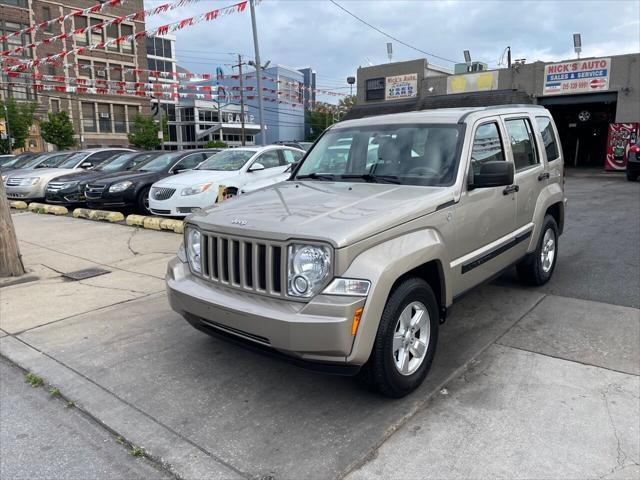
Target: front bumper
<point>69,196</point>
<point>180,205</point>
<point>33,192</point>
<point>107,199</point>
<point>318,331</point>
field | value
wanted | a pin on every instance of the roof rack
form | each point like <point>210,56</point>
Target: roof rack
<point>496,107</point>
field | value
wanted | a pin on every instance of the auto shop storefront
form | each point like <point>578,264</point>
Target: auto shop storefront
<point>594,101</point>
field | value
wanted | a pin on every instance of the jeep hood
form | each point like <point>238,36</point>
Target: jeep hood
<point>340,213</point>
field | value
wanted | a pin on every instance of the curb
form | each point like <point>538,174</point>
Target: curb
<point>113,217</point>
<point>155,223</point>
<point>18,205</point>
<point>45,208</point>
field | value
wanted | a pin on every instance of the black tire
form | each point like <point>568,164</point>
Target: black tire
<point>632,177</point>
<point>380,373</point>
<point>531,270</point>
<point>143,201</point>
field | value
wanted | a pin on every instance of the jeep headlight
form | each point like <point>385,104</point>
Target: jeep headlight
<point>193,243</point>
<point>120,186</point>
<point>308,267</point>
<point>196,189</point>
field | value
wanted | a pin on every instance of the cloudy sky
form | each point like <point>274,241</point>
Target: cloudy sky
<point>319,34</point>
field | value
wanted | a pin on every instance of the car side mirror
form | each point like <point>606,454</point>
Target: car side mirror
<point>86,165</point>
<point>256,167</point>
<point>496,173</point>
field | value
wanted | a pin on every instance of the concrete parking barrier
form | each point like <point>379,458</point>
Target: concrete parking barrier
<point>18,205</point>
<point>44,208</point>
<point>155,223</point>
<point>105,215</point>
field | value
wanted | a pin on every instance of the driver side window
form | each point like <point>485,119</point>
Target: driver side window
<point>487,146</point>
<point>269,159</point>
<point>188,162</point>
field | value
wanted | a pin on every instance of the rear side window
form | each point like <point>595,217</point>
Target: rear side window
<point>522,143</point>
<point>548,138</point>
<point>487,146</point>
<point>291,156</point>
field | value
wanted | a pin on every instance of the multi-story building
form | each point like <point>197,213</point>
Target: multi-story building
<point>100,120</point>
<point>161,58</point>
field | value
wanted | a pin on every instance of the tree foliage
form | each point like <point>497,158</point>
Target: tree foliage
<point>144,133</point>
<point>215,144</point>
<point>58,130</point>
<point>20,120</point>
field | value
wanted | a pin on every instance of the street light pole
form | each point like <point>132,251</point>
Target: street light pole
<point>258,70</point>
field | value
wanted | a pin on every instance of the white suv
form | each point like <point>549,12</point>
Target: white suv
<point>236,169</point>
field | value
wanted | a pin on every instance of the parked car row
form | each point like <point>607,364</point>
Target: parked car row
<point>172,183</point>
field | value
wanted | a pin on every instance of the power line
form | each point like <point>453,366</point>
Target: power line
<point>390,36</point>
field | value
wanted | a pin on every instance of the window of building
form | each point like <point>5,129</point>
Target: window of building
<point>84,69</point>
<point>54,105</point>
<point>100,71</point>
<point>169,110</point>
<point>150,46</point>
<point>112,33</point>
<point>97,36</point>
<point>46,15</point>
<point>13,42</point>
<point>166,48</point>
<point>188,115</point>
<point>548,138</point>
<point>126,30</point>
<point>173,133</point>
<point>14,3</point>
<point>130,75</point>
<point>115,73</point>
<point>188,133</point>
<point>104,118</point>
<point>88,117</point>
<point>487,146</point>
<point>49,69</point>
<point>374,89</point>
<point>81,38</point>
<point>249,138</point>
<point>119,119</point>
<point>522,143</point>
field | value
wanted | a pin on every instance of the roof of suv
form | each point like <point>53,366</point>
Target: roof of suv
<point>440,115</point>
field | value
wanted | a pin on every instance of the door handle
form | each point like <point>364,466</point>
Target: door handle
<point>510,189</point>
<point>543,176</point>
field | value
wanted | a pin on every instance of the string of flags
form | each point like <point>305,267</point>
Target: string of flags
<point>136,16</point>
<point>159,31</point>
<point>97,8</point>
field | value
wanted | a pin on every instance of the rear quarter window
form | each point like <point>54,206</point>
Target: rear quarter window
<point>548,138</point>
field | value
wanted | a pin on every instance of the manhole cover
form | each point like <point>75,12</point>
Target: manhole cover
<point>86,273</point>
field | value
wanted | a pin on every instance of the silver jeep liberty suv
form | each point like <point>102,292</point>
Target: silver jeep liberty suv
<point>351,264</point>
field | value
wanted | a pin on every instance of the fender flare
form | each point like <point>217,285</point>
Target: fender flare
<point>550,195</point>
<point>383,265</point>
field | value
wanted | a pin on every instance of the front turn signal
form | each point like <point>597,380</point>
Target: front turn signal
<point>357,315</point>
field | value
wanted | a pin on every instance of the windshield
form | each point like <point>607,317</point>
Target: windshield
<point>21,160</point>
<point>227,160</point>
<point>423,154</point>
<point>160,163</point>
<point>121,161</point>
<point>51,161</point>
<point>73,160</point>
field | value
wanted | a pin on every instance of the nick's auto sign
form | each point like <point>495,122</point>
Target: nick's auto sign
<point>580,76</point>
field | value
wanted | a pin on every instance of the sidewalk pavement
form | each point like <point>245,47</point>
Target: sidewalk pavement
<point>525,384</point>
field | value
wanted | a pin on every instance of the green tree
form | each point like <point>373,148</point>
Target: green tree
<point>144,133</point>
<point>215,144</point>
<point>20,120</point>
<point>318,122</point>
<point>58,130</point>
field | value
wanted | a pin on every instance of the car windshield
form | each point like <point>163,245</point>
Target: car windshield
<point>409,154</point>
<point>227,160</point>
<point>73,160</point>
<point>21,160</point>
<point>160,163</point>
<point>51,161</point>
<point>120,162</point>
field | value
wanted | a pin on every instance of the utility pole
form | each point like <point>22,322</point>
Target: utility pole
<point>258,71</point>
<point>239,65</point>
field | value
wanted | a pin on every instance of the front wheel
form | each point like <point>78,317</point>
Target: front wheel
<point>143,201</point>
<point>406,340</point>
<point>536,269</point>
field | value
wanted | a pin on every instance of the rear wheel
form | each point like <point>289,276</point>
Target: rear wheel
<point>537,268</point>
<point>406,340</point>
<point>143,201</point>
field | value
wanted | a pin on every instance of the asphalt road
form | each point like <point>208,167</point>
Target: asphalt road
<point>599,252</point>
<point>41,438</point>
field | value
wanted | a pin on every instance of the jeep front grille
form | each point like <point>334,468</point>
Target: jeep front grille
<point>247,264</point>
<point>160,193</point>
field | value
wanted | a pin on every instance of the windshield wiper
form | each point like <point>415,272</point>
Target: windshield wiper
<point>316,176</point>
<point>373,178</point>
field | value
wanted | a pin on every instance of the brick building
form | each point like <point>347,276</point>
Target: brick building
<point>100,120</point>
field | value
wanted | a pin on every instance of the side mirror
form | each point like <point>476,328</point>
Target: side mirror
<point>86,165</point>
<point>256,167</point>
<point>496,173</point>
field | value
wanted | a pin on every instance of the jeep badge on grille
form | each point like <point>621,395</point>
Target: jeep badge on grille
<point>238,221</point>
